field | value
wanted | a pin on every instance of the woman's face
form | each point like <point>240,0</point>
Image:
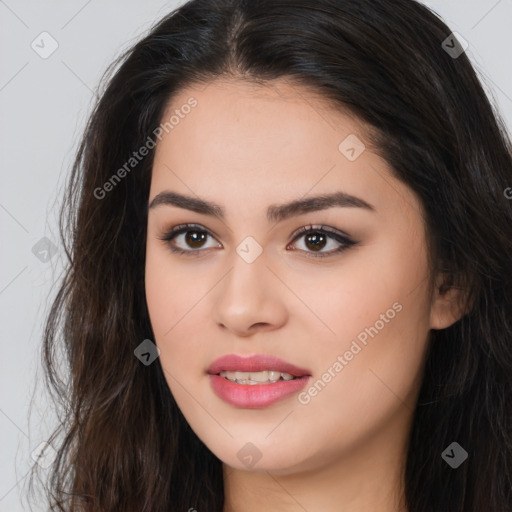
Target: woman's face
<point>348,306</point>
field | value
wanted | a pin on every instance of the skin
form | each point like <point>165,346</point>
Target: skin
<point>246,147</point>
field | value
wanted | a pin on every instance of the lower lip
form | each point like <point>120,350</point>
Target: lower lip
<point>255,396</point>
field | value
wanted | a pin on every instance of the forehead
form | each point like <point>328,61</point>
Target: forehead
<point>282,106</point>
<point>237,124</point>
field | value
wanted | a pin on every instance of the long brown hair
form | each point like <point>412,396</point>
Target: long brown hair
<point>123,444</point>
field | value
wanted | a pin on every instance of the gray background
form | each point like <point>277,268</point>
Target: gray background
<point>44,104</point>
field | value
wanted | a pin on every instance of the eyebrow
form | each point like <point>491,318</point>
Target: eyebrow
<point>275,212</point>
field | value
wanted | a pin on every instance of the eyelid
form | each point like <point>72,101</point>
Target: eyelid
<point>336,233</point>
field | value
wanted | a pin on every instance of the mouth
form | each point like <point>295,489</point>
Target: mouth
<point>255,381</point>
<point>259,368</point>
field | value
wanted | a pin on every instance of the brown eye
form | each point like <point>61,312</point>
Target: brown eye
<point>195,239</point>
<point>187,239</point>
<point>316,239</point>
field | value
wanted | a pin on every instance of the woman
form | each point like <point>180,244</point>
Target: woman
<point>340,338</point>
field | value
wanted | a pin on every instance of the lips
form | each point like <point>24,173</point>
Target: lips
<point>255,396</point>
<point>255,363</point>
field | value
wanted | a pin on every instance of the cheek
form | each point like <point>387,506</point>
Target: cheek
<point>160,302</point>
<point>173,298</point>
<point>367,282</point>
<point>170,291</point>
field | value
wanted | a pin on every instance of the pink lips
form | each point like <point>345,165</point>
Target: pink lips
<point>257,395</point>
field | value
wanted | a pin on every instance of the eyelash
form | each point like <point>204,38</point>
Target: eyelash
<point>338,237</point>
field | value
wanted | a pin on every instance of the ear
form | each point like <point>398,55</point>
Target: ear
<point>447,303</point>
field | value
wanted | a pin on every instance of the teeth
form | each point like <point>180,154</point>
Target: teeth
<point>273,376</point>
<point>252,378</point>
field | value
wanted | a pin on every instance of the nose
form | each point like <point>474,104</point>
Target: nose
<point>250,298</point>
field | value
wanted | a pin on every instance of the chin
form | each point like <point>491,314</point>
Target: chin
<point>244,455</point>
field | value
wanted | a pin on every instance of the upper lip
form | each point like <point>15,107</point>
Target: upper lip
<point>254,363</point>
